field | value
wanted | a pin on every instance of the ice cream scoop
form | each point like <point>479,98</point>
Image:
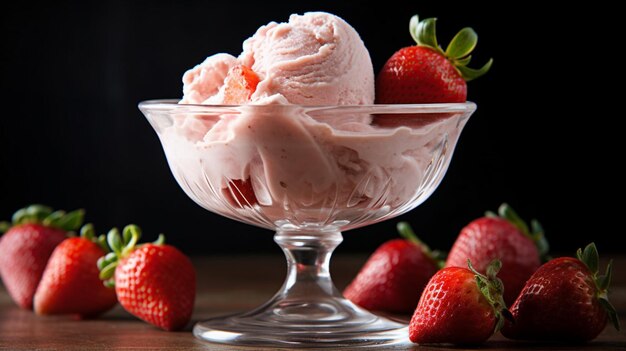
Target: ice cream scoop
<point>314,59</point>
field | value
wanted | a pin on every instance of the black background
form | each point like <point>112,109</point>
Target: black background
<point>544,137</point>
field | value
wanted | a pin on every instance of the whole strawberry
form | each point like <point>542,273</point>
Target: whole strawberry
<point>459,306</point>
<point>424,73</point>
<point>505,237</point>
<point>394,276</point>
<point>27,244</point>
<point>154,282</point>
<point>565,301</point>
<point>70,283</point>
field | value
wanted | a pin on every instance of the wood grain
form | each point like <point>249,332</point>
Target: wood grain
<point>226,285</point>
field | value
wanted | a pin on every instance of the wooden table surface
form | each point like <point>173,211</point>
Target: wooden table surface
<point>227,284</point>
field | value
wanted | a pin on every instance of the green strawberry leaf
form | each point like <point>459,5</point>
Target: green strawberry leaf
<point>426,33</point>
<point>31,214</point>
<point>470,73</point>
<point>462,44</point>
<point>115,241</point>
<point>491,214</point>
<point>537,233</point>
<point>88,232</point>
<point>102,242</point>
<point>589,256</point>
<point>463,62</point>
<point>53,219</point>
<point>38,212</point>
<point>126,235</point>
<point>121,245</point>
<point>160,240</point>
<point>492,289</point>
<point>611,311</point>
<point>604,281</point>
<point>108,271</point>
<point>72,221</point>
<point>19,216</point>
<point>44,215</point>
<point>505,211</point>
<point>458,51</point>
<point>493,268</point>
<point>106,260</point>
<point>413,27</point>
<point>132,234</point>
<point>4,226</point>
<point>405,230</point>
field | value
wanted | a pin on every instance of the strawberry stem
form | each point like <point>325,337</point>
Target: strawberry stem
<point>590,257</point>
<point>88,232</point>
<point>121,245</point>
<point>425,32</point>
<point>535,233</point>
<point>44,215</point>
<point>114,241</point>
<point>492,288</point>
<point>405,230</point>
<point>462,44</point>
<point>160,240</point>
<point>131,233</point>
<point>457,52</point>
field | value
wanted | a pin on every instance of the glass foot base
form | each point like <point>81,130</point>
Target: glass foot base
<point>302,329</point>
<point>308,311</point>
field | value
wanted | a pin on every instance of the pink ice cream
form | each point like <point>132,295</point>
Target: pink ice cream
<point>280,162</point>
<point>314,59</point>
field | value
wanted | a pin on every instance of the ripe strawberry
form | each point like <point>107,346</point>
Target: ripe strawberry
<point>27,244</point>
<point>239,85</point>
<point>394,276</point>
<point>70,283</point>
<point>459,306</point>
<point>240,193</point>
<point>565,300</point>
<point>425,73</point>
<point>506,238</point>
<point>154,282</point>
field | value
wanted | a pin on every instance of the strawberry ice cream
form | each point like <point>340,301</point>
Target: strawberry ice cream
<point>301,151</point>
<point>314,59</point>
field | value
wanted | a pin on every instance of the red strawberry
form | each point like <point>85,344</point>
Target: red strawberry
<point>459,306</point>
<point>394,276</point>
<point>27,244</point>
<point>565,300</point>
<point>240,83</point>
<point>240,193</point>
<point>425,73</point>
<point>506,238</point>
<point>71,283</point>
<point>154,282</point>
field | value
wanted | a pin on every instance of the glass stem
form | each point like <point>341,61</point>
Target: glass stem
<point>308,262</point>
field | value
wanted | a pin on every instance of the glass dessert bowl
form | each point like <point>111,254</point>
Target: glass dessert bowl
<point>308,173</point>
